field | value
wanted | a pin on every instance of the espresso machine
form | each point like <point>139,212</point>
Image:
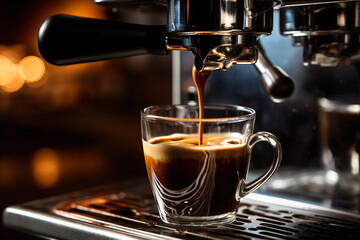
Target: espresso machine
<point>276,56</point>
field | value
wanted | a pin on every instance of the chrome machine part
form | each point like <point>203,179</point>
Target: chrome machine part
<point>220,33</point>
<point>217,52</point>
<point>329,33</point>
<point>328,29</point>
<point>275,81</point>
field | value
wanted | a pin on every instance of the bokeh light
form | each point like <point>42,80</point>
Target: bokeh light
<point>10,79</point>
<point>15,70</point>
<point>46,167</point>
<point>31,68</point>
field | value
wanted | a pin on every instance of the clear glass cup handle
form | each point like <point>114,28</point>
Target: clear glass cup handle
<point>246,188</point>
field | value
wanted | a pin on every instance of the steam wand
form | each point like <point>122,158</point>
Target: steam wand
<point>277,84</point>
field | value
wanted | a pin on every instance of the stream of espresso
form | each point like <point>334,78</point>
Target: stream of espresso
<point>200,79</point>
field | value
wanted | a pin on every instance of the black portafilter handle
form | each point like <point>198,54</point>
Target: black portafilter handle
<point>65,39</point>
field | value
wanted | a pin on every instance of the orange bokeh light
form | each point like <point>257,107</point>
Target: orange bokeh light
<point>31,68</point>
<point>46,167</point>
<point>14,73</point>
<point>10,79</point>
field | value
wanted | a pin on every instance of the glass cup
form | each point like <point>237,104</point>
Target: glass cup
<point>194,184</point>
<point>340,141</point>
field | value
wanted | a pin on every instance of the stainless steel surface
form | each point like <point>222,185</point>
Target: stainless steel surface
<point>320,186</point>
<point>176,77</point>
<point>127,211</point>
<point>219,17</point>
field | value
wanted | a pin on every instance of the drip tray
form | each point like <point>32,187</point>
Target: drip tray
<point>128,211</point>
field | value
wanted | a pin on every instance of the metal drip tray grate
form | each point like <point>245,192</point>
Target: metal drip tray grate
<point>131,214</point>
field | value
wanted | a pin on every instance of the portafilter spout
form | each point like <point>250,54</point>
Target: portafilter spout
<point>220,33</point>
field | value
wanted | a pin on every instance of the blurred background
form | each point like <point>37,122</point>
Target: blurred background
<point>67,128</point>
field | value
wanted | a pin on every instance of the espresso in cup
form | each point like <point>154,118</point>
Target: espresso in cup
<point>197,158</point>
<point>201,184</point>
<point>192,180</point>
